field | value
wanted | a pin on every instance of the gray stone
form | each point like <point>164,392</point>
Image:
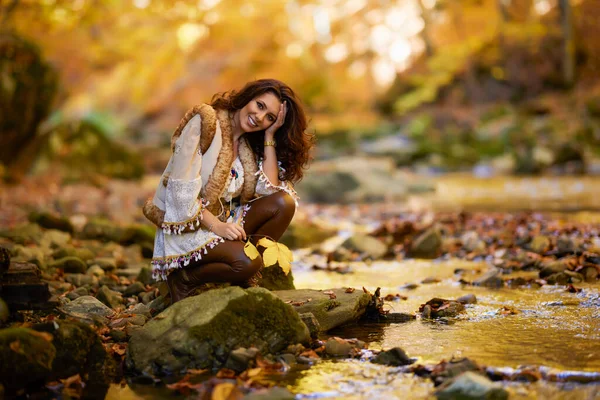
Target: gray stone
<point>201,331</point>
<point>394,357</point>
<point>239,359</point>
<point>70,265</point>
<point>80,279</point>
<point>158,305</point>
<point>553,267</point>
<point>490,279</point>
<point>471,385</point>
<point>367,246</point>
<point>140,309</point>
<point>53,239</point>
<point>311,323</point>
<point>81,253</point>
<point>467,299</point>
<point>574,277</point>
<point>427,245</point>
<point>344,308</point>
<point>134,289</point>
<point>560,278</point>
<point>108,264</point>
<point>337,347</point>
<point>88,305</point>
<point>147,297</point>
<point>73,295</point>
<point>34,255</point>
<point>145,276</point>
<point>109,297</point>
<point>590,274</point>
<point>96,271</point>
<point>472,242</point>
<point>441,308</point>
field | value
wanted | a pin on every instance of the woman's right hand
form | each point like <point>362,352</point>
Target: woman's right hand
<point>229,231</point>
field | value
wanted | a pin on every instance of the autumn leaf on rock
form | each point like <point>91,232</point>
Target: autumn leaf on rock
<point>276,253</point>
<point>251,250</point>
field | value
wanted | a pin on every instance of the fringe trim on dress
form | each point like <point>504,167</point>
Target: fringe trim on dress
<point>163,266</point>
<point>262,177</point>
<point>179,227</point>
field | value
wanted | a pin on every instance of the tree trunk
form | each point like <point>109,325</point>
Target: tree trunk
<point>566,17</point>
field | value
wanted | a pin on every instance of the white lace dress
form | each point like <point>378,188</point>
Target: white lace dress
<point>174,248</point>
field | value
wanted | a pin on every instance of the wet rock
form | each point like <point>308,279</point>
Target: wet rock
<point>330,310</point>
<point>26,358</point>
<point>427,245</point>
<point>81,253</point>
<point>471,385</point>
<point>88,305</point>
<point>51,221</point>
<point>80,279</point>
<point>139,320</point>
<point>395,318</point>
<point>472,242</point>
<point>72,296</point>
<point>490,279</point>
<point>574,277</point>
<point>467,299</point>
<point>70,265</point>
<point>590,274</point>
<point>273,278</point>
<point>441,308</point>
<point>446,370</point>
<point>430,280</point>
<point>147,297</point>
<point>145,276</point>
<point>311,323</point>
<point>201,331</point>
<point>553,267</point>
<point>274,393</point>
<point>239,359</point>
<point>4,311</point>
<point>109,297</point>
<point>394,357</point>
<point>540,244</point>
<point>560,278</point>
<point>367,246</point>
<point>134,289</point>
<point>337,347</point>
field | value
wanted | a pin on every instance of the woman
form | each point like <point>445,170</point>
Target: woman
<point>229,179</point>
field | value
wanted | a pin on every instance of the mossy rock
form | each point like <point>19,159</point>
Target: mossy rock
<point>34,255</point>
<point>51,221</point>
<point>330,310</point>
<point>273,278</point>
<point>305,234</point>
<point>26,358</point>
<point>79,350</point>
<point>71,265</point>
<point>200,331</point>
<point>327,187</point>
<point>81,253</point>
<point>140,234</point>
<point>24,234</point>
<point>103,230</point>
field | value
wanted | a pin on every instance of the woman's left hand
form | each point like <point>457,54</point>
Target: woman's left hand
<point>270,132</point>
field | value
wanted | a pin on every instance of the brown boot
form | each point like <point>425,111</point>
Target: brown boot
<point>179,285</point>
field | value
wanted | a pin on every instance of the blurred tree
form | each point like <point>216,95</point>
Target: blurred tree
<point>568,65</point>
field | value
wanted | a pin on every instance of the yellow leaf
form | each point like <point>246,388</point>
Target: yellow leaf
<point>285,258</point>
<point>226,391</point>
<point>278,254</point>
<point>250,250</point>
<point>266,243</point>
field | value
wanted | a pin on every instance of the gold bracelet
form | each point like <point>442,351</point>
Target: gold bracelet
<point>270,143</point>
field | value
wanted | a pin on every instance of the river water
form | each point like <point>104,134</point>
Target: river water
<point>552,329</point>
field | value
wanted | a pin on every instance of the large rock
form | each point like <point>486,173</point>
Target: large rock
<point>201,331</point>
<point>367,246</point>
<point>26,358</point>
<point>273,278</point>
<point>330,311</point>
<point>87,305</point>
<point>51,221</point>
<point>471,385</point>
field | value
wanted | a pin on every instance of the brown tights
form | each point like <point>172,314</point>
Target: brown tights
<point>268,216</point>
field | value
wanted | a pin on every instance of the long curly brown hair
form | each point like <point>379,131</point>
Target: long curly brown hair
<point>293,142</point>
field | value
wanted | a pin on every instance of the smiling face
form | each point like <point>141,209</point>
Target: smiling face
<point>260,113</point>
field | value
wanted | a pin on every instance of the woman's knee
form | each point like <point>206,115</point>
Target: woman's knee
<point>245,268</point>
<point>284,203</point>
